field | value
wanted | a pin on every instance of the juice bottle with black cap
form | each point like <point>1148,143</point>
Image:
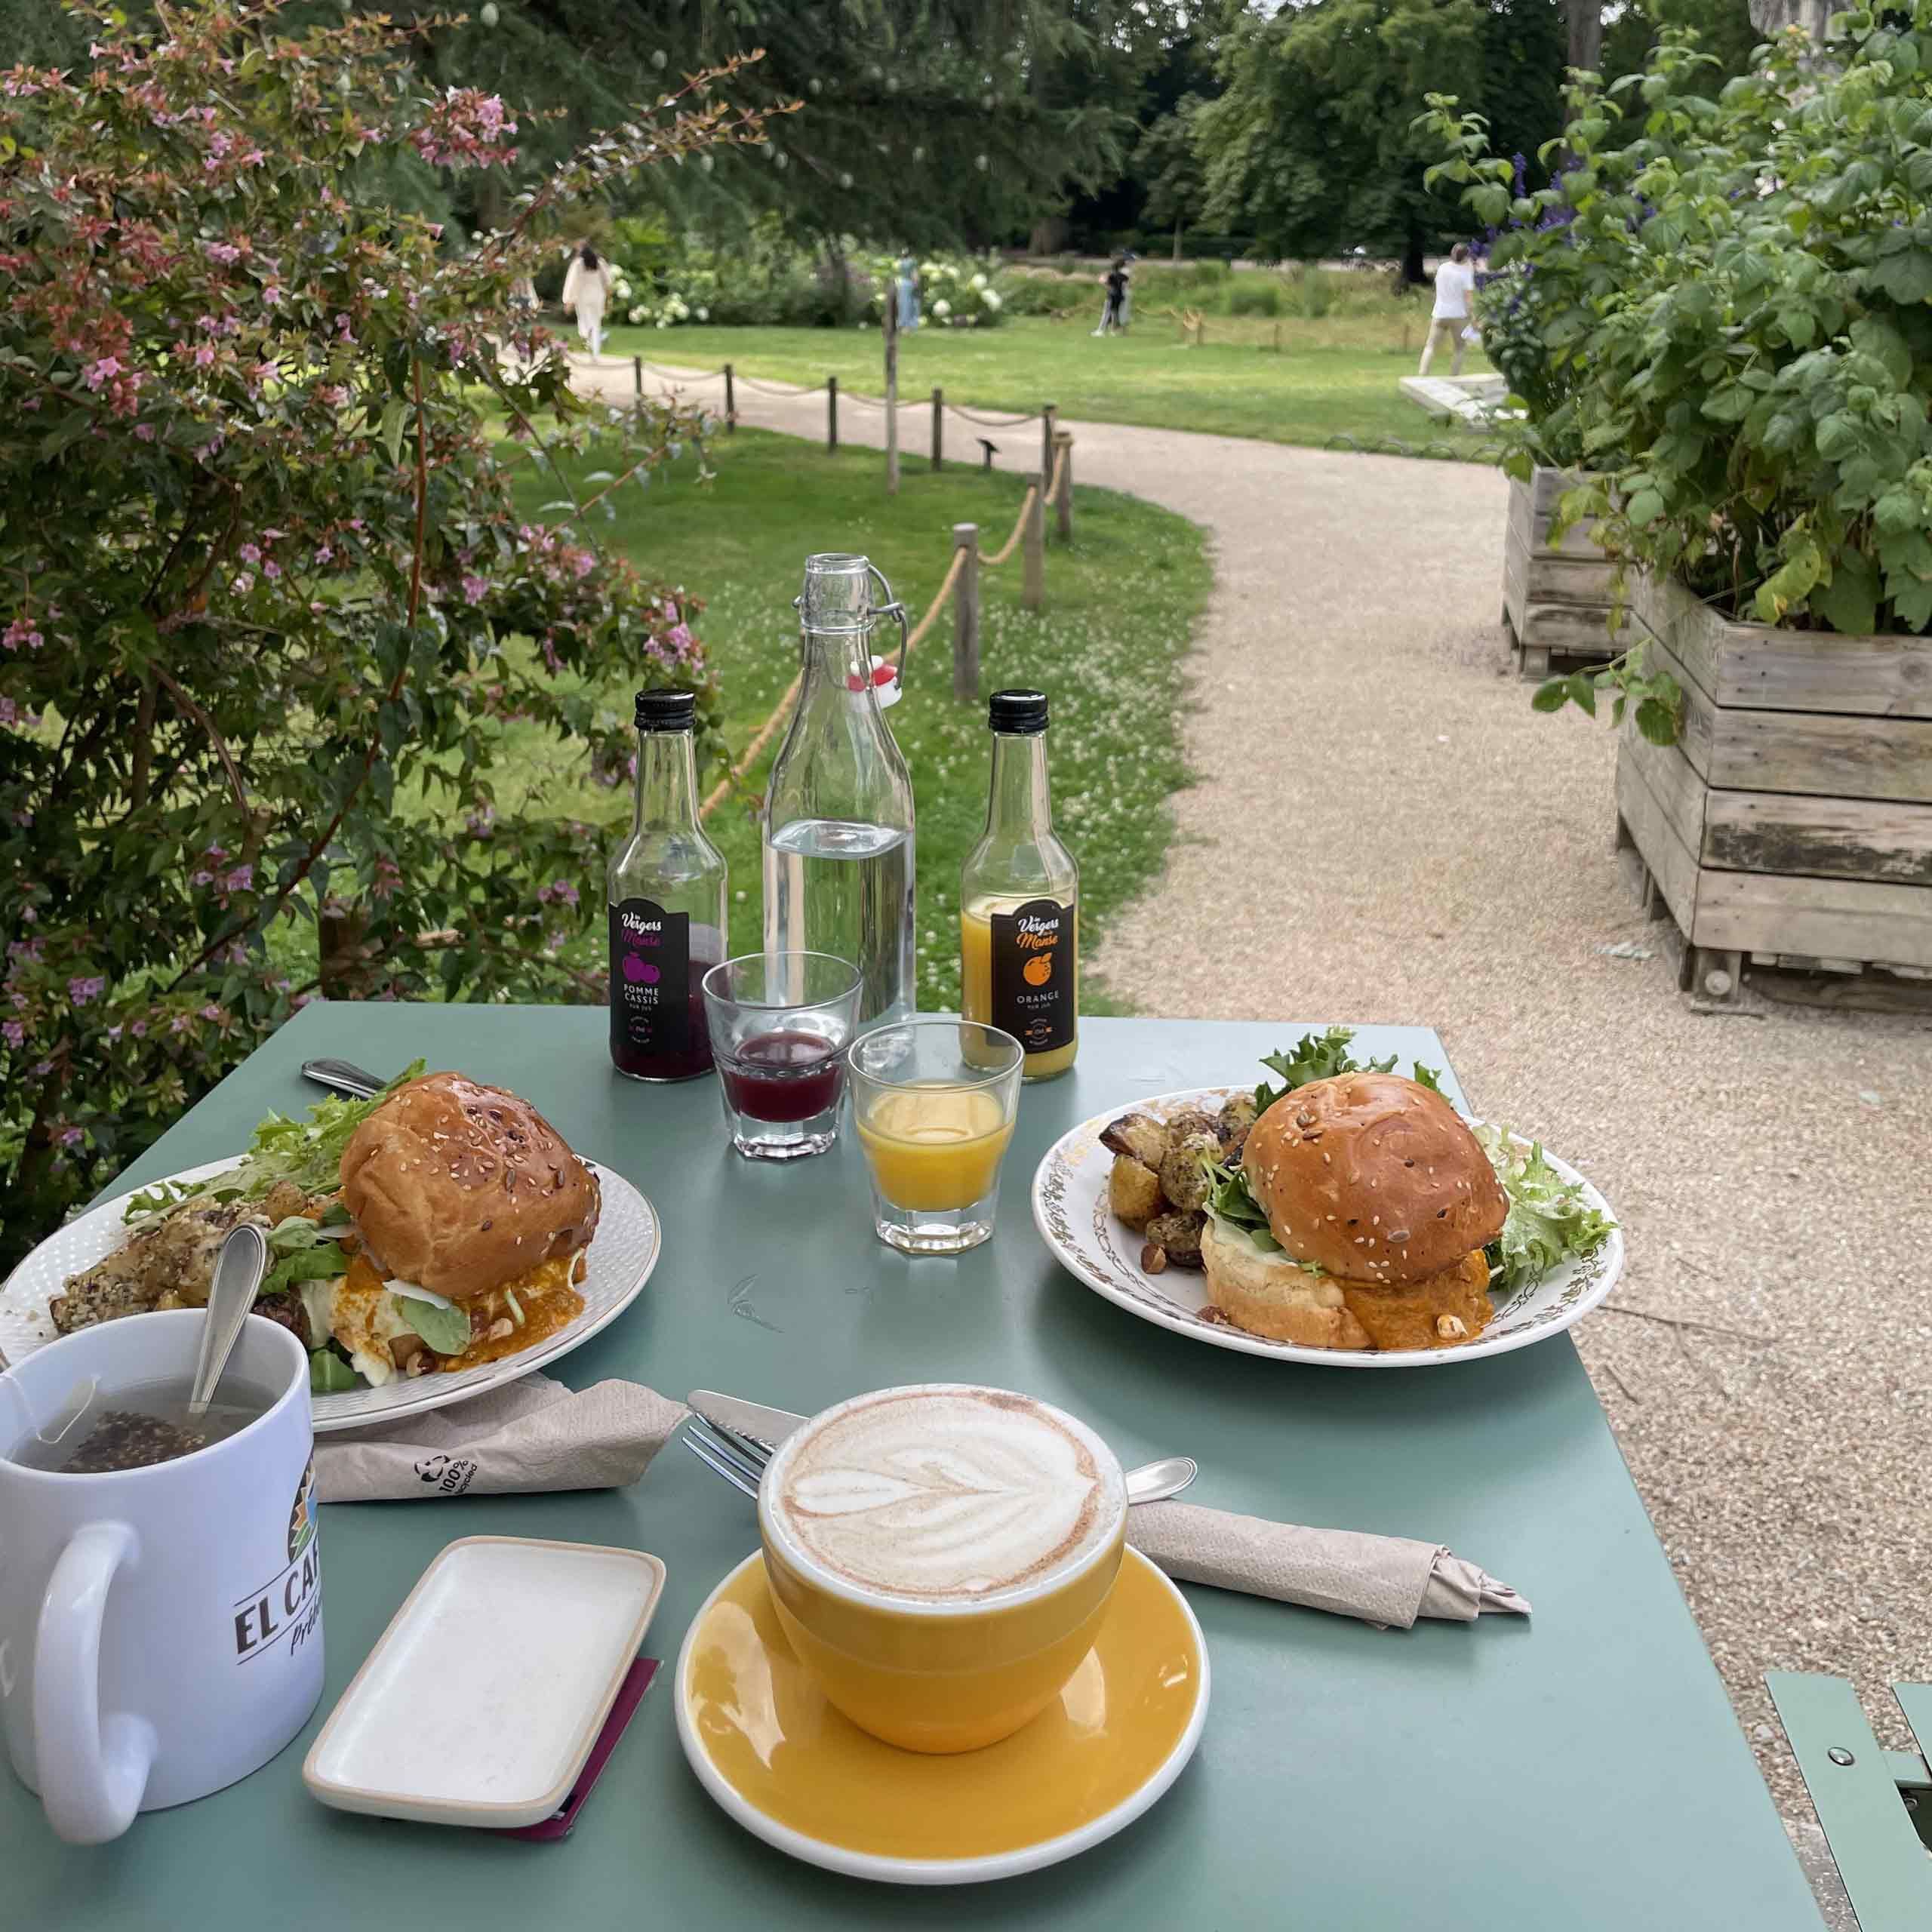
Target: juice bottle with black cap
<point>1020,900</point>
<point>666,892</point>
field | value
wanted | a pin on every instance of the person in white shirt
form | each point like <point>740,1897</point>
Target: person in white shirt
<point>586,290</point>
<point>1455,283</point>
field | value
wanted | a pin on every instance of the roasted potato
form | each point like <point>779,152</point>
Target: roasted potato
<point>1192,1121</point>
<point>1178,1236</point>
<point>1140,1135</point>
<point>1235,1117</point>
<point>1134,1190</point>
<point>1183,1178</point>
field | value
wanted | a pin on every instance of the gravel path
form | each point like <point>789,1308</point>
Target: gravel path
<point>1383,830</point>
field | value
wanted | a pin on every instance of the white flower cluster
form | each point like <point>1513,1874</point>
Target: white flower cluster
<point>957,293</point>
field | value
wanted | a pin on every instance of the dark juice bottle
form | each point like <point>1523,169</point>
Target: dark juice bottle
<point>666,891</point>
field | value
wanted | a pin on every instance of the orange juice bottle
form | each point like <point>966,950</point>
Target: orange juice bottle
<point>1019,900</point>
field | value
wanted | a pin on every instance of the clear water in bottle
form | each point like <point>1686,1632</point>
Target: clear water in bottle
<point>833,886</point>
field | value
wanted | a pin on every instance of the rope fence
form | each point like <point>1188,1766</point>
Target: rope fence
<point>960,587</point>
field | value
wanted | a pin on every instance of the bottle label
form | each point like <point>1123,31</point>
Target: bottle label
<point>1033,994</point>
<point>650,953</point>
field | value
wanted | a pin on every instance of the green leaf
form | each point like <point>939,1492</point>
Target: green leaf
<point>1850,602</point>
<point>446,1331</point>
<point>1657,720</point>
<point>1906,279</point>
<point>393,418</point>
<point>1549,1221</point>
<point>1645,507</point>
<point>1551,696</point>
<point>1583,691</point>
<point>330,1375</point>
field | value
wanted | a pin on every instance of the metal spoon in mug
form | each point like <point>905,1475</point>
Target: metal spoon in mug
<point>238,1270</point>
<point>344,1076</point>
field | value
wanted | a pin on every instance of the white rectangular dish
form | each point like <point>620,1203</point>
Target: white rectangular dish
<point>560,1623</point>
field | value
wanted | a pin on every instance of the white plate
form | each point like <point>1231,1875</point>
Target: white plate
<point>621,1255</point>
<point>509,1759</point>
<point>1070,1209</point>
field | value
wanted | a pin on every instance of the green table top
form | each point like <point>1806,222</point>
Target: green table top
<point>1581,1770</point>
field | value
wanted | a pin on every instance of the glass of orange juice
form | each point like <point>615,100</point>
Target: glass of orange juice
<point>934,1103</point>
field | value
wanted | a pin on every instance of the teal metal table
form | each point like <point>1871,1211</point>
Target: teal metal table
<point>1574,1773</point>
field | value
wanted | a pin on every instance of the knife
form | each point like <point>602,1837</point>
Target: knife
<point>766,1428</point>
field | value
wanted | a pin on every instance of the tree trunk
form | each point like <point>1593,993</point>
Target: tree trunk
<point>1049,235</point>
<point>1176,240</point>
<point>1585,22</point>
<point>1412,268</point>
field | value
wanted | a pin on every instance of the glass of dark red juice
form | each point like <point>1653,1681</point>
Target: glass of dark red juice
<point>779,1024</point>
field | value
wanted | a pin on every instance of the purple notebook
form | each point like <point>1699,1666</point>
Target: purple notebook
<point>630,1693</point>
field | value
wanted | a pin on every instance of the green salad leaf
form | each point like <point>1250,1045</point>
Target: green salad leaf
<point>445,1329</point>
<point>1549,1220</point>
<point>307,1152</point>
<point>329,1374</point>
<point>1233,1210</point>
<point>1322,1055</point>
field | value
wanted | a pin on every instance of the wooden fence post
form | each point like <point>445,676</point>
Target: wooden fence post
<point>1047,412</point>
<point>637,379</point>
<point>831,415</point>
<point>1033,547</point>
<point>966,615</point>
<point>938,427</point>
<point>1278,338</point>
<point>730,401</point>
<point>1063,497</point>
<point>892,333</point>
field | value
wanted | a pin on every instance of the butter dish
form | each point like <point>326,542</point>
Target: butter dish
<point>560,1622</point>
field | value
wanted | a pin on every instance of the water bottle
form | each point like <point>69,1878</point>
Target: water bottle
<point>839,871</point>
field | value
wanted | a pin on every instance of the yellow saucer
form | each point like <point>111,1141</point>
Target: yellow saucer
<point>767,1745</point>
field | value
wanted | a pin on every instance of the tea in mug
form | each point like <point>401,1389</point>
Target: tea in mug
<point>145,1423</point>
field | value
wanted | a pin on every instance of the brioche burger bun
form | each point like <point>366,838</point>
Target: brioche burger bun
<point>467,1192</point>
<point>1382,1200</point>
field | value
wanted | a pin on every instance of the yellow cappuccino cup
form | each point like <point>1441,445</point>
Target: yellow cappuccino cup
<point>942,1556</point>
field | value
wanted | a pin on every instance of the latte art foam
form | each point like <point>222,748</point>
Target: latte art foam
<point>944,1493</point>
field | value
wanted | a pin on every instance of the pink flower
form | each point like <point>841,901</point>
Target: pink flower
<point>15,1032</point>
<point>474,588</point>
<point>82,988</point>
<point>21,632</point>
<point>139,1029</point>
<point>144,431</point>
<point>250,554</point>
<point>204,356</point>
<point>68,1136</point>
<point>211,1011</point>
<point>271,570</point>
<point>217,852</point>
<point>104,371</point>
<point>244,582</point>
<point>242,879</point>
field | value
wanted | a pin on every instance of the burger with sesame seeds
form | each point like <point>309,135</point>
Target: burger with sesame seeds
<point>1357,1219</point>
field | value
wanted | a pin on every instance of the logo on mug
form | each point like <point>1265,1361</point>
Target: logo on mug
<point>290,1605</point>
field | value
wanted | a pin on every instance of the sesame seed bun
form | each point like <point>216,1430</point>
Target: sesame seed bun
<point>463,1188</point>
<point>1373,1179</point>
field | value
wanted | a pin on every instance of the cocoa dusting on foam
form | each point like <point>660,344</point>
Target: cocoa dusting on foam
<point>945,1494</point>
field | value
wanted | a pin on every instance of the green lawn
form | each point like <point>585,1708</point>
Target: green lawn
<point>1121,605</point>
<point>1321,385</point>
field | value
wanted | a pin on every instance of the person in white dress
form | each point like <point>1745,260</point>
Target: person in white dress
<point>1455,283</point>
<point>587,291</point>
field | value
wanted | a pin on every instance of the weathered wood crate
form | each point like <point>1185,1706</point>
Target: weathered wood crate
<point>1556,603</point>
<point>1792,824</point>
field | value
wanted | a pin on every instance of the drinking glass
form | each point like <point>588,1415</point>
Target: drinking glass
<point>779,1023</point>
<point>934,1103</point>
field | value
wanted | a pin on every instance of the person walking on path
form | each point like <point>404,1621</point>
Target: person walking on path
<point>587,291</point>
<point>1115,281</point>
<point>1455,283</point>
<point>908,290</point>
<point>1123,309</point>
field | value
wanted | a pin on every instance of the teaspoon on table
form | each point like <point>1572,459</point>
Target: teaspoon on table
<point>238,1270</point>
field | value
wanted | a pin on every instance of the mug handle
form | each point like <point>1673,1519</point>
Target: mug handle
<point>92,1775</point>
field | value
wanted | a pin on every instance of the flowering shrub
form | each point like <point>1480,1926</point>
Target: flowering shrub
<point>683,295</point>
<point>956,292</point>
<point>265,603</point>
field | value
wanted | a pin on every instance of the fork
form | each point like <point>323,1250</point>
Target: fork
<point>740,1460</point>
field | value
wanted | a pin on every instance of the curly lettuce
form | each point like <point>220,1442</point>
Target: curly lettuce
<point>1550,1222</point>
<point>1322,1055</point>
<point>307,1152</point>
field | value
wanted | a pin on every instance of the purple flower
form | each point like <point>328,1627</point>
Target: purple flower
<point>271,570</point>
<point>68,1136</point>
<point>251,553</point>
<point>474,588</point>
<point>139,1029</point>
<point>21,632</point>
<point>211,1011</point>
<point>15,1032</point>
<point>242,879</point>
<point>144,432</point>
<point>82,988</point>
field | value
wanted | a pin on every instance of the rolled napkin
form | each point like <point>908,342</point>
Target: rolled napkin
<point>1383,1580</point>
<point>532,1434</point>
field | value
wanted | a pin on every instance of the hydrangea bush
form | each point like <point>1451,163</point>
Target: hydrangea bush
<point>265,601</point>
<point>956,292</point>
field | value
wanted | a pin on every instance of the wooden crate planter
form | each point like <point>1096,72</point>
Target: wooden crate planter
<point>1556,603</point>
<point>1792,824</point>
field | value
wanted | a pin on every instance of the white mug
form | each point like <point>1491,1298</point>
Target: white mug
<point>161,1629</point>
